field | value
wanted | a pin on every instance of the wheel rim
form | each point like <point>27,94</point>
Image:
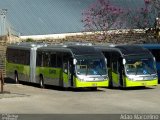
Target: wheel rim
<point>41,83</point>
<point>16,78</point>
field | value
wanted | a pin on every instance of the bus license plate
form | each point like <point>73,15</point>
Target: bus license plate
<point>94,84</point>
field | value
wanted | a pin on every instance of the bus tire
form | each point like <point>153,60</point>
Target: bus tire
<point>16,78</point>
<point>41,81</point>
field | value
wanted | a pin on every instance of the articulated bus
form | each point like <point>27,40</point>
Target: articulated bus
<point>59,65</point>
<point>129,65</point>
<point>155,50</point>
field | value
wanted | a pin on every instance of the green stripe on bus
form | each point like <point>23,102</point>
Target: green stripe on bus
<point>23,69</point>
<point>49,72</point>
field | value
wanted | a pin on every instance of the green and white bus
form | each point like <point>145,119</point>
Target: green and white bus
<point>129,65</point>
<point>59,65</point>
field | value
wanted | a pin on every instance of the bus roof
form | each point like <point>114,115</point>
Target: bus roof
<point>151,46</point>
<point>26,45</point>
<point>125,50</point>
<point>74,49</point>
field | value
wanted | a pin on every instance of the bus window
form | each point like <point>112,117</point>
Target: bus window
<point>65,67</point>
<point>115,60</point>
<point>66,58</point>
<point>90,66</point>
<point>140,67</point>
<point>11,56</point>
<point>156,54</point>
<point>53,60</point>
<point>39,59</point>
<point>108,56</point>
<point>49,59</point>
<point>59,59</point>
<point>18,56</point>
<point>114,66</point>
<point>23,57</point>
<point>46,59</point>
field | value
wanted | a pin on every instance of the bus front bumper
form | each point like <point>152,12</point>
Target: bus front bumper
<point>79,83</point>
<point>130,83</point>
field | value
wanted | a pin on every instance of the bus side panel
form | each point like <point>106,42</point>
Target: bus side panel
<point>51,76</point>
<point>23,71</point>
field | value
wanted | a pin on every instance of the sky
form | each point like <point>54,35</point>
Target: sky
<point>38,17</point>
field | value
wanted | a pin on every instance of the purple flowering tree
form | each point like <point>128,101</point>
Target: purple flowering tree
<point>156,5</point>
<point>102,16</point>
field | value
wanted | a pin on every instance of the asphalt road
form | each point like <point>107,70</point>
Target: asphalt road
<point>29,99</point>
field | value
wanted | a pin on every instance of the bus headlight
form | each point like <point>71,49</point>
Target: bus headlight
<point>81,78</point>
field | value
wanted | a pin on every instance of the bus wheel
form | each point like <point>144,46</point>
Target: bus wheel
<point>41,82</point>
<point>16,78</point>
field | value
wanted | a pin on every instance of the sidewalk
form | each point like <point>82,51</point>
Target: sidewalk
<point>7,93</point>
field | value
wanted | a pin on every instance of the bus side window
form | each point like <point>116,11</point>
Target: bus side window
<point>59,59</point>
<point>53,62</point>
<point>11,55</point>
<point>65,68</point>
<point>114,66</point>
<point>46,60</point>
<point>27,57</point>
<point>115,61</point>
<point>108,57</point>
<point>23,57</point>
<point>18,56</point>
<point>39,59</point>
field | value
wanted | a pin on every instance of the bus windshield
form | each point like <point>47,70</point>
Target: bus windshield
<point>140,66</point>
<point>91,66</point>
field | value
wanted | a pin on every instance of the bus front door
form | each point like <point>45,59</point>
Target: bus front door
<point>66,74</point>
<point>115,74</point>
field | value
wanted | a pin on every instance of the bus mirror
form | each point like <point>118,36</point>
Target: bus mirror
<point>154,58</point>
<point>124,61</point>
<point>106,60</point>
<point>74,61</point>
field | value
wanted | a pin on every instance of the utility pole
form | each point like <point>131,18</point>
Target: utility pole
<point>3,21</point>
<point>2,33</point>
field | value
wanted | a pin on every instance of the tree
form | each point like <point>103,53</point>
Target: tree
<point>103,16</point>
<point>156,5</point>
<point>143,17</point>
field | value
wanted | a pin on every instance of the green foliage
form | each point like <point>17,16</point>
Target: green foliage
<point>29,40</point>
